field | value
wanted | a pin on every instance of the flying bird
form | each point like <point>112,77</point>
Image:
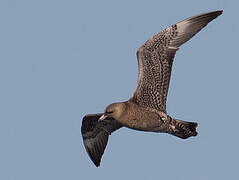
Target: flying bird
<point>146,109</point>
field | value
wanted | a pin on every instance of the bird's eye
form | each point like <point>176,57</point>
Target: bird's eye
<point>109,112</point>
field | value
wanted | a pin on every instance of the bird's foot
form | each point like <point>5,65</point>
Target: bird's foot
<point>164,117</point>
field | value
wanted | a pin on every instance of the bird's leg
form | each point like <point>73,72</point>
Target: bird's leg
<point>163,116</point>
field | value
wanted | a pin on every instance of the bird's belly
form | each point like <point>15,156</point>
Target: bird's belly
<point>143,121</point>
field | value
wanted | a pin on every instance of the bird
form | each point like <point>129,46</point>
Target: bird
<point>146,109</point>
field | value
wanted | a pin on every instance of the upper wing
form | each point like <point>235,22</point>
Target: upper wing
<point>95,135</point>
<point>155,59</point>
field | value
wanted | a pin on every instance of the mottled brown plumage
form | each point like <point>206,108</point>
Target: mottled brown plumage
<point>146,109</point>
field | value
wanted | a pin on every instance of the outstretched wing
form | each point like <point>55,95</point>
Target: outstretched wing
<point>155,59</point>
<point>95,135</point>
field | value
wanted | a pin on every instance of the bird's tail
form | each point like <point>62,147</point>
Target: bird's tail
<point>182,129</point>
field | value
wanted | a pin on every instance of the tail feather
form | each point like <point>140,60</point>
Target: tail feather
<point>182,129</point>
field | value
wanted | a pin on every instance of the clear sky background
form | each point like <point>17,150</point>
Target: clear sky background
<point>60,60</point>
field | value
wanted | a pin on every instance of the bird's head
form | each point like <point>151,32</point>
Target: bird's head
<point>114,110</point>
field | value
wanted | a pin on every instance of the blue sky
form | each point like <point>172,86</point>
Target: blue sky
<point>60,60</point>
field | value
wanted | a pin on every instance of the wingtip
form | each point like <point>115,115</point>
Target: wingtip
<point>97,164</point>
<point>218,12</point>
<point>95,159</point>
<point>211,15</point>
<point>208,15</point>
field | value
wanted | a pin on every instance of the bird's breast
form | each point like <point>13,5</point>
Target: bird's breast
<point>141,118</point>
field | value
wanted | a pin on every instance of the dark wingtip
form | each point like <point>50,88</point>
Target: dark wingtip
<point>217,13</point>
<point>209,16</point>
<point>97,164</point>
<point>95,135</point>
<point>95,157</point>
